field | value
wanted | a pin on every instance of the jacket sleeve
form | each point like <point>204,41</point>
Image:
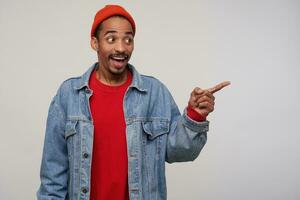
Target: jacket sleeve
<point>186,137</point>
<point>54,167</point>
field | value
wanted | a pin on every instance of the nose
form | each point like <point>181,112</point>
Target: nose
<point>120,46</point>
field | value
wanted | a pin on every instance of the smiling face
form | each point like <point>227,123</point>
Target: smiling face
<point>114,46</point>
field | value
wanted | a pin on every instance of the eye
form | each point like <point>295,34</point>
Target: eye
<point>110,39</point>
<point>128,40</point>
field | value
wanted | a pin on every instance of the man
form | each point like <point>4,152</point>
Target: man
<point>110,131</point>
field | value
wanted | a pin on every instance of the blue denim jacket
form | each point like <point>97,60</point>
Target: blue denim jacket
<point>155,131</point>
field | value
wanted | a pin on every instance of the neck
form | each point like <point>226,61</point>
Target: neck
<point>109,78</point>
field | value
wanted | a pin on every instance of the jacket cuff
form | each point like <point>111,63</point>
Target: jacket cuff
<point>195,126</point>
<point>193,114</point>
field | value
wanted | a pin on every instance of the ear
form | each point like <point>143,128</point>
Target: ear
<point>94,43</point>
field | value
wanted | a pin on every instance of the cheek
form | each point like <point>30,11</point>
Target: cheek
<point>104,48</point>
<point>104,52</point>
<point>130,49</point>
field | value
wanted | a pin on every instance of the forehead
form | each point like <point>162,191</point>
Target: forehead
<point>117,23</point>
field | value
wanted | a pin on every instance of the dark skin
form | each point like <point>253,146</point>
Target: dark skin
<point>113,40</point>
<point>116,38</point>
<point>203,100</point>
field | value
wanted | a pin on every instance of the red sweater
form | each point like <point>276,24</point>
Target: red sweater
<point>109,162</point>
<point>109,176</point>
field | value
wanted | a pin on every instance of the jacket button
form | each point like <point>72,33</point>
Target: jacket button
<point>84,190</point>
<point>87,90</point>
<point>85,155</point>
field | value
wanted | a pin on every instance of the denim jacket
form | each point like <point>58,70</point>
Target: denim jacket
<point>155,132</point>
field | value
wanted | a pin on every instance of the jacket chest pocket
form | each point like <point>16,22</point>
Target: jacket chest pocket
<point>155,128</point>
<point>154,136</point>
<point>70,128</point>
<point>71,136</point>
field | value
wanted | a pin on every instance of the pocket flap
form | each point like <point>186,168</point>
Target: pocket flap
<point>70,128</point>
<point>155,128</point>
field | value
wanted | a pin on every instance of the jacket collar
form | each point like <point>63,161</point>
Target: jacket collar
<point>137,81</point>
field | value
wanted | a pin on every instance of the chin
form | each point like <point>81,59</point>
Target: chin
<point>118,71</point>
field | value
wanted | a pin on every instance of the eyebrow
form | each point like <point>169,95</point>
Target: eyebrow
<point>112,32</point>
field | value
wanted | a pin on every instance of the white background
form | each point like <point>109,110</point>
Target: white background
<point>253,143</point>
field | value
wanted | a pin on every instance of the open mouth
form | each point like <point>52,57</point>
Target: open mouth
<point>119,60</point>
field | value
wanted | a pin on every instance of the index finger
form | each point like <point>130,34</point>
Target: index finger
<point>219,87</point>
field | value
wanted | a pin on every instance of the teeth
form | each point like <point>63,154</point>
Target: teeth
<point>119,58</point>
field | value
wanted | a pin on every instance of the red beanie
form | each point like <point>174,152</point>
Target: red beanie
<point>109,11</point>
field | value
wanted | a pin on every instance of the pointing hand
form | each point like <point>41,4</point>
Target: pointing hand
<point>203,101</point>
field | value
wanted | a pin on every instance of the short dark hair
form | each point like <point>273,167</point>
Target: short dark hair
<point>97,30</point>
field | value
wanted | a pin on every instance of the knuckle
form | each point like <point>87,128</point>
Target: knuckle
<point>197,89</point>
